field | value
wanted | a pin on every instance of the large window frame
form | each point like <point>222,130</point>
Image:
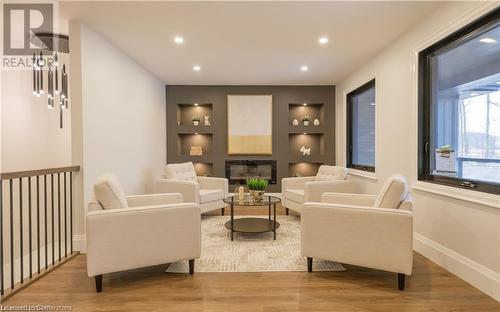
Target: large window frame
<point>349,117</point>
<point>425,105</point>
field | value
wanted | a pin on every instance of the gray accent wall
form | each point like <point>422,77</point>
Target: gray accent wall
<point>287,139</point>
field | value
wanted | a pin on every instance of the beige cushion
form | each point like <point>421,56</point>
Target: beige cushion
<point>328,173</point>
<point>295,195</point>
<point>207,196</point>
<point>393,192</point>
<point>183,171</point>
<point>109,192</point>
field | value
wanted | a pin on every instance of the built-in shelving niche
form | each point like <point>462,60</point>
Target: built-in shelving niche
<point>186,140</point>
<point>312,141</point>
<point>203,169</point>
<point>185,113</point>
<point>303,169</point>
<point>299,111</point>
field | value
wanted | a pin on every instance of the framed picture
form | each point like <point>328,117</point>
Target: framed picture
<point>250,124</point>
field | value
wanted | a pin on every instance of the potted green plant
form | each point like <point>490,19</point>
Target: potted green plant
<point>306,120</point>
<point>196,120</point>
<point>257,187</point>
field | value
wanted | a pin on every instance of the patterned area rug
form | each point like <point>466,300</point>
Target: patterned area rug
<point>251,252</point>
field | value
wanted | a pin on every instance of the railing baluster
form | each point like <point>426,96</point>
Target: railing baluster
<point>71,210</point>
<point>21,239</point>
<point>1,240</point>
<point>52,216</point>
<point>38,220</point>
<point>65,219</point>
<point>29,229</point>
<point>45,220</point>
<point>11,234</point>
<point>59,211</point>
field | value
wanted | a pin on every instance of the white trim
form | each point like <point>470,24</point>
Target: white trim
<point>363,174</point>
<point>79,243</point>
<point>470,271</point>
<point>471,196</point>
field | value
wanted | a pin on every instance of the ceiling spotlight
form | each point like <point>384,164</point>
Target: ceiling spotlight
<point>304,68</point>
<point>488,40</point>
<point>305,104</point>
<point>179,40</point>
<point>305,133</point>
<point>195,104</point>
<point>196,68</point>
<point>323,40</point>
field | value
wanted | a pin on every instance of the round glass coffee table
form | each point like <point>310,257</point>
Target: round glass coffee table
<point>252,225</point>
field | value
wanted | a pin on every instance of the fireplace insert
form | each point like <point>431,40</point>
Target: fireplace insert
<point>238,171</point>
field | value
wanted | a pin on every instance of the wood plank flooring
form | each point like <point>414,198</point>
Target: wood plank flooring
<point>430,288</point>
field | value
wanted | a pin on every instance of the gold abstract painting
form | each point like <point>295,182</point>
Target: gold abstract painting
<point>250,124</point>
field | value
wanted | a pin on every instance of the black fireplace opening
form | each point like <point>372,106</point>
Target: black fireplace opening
<point>238,171</point>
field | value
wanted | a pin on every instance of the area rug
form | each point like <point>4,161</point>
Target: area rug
<point>251,252</point>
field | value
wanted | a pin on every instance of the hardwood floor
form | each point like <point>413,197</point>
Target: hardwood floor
<point>430,288</point>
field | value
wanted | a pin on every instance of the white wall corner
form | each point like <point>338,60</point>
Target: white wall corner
<point>470,271</point>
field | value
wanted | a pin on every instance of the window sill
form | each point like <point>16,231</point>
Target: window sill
<point>475,197</point>
<point>363,174</point>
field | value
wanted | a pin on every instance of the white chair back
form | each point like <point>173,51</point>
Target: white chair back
<point>393,192</point>
<point>108,192</point>
<point>328,173</point>
<point>183,171</point>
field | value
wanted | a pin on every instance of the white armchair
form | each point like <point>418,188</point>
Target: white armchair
<point>128,232</point>
<point>374,231</point>
<point>208,192</point>
<point>297,191</point>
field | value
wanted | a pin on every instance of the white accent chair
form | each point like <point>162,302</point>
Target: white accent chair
<point>208,192</point>
<point>297,191</point>
<point>128,232</point>
<point>374,231</point>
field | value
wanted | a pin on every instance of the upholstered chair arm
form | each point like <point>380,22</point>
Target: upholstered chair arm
<point>189,190</point>
<point>314,190</point>
<point>364,200</point>
<point>213,183</point>
<point>123,239</point>
<point>372,237</point>
<point>94,206</point>
<point>297,183</point>
<point>154,199</point>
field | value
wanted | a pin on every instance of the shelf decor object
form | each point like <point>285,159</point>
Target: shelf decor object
<point>57,80</point>
<point>196,150</point>
<point>305,151</point>
<point>249,120</point>
<point>196,120</point>
<point>295,122</point>
<point>207,121</point>
<point>257,188</point>
<point>316,122</point>
<point>306,120</point>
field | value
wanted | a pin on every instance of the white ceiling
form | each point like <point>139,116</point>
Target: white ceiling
<point>262,43</point>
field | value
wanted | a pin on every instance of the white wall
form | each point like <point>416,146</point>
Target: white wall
<point>462,236</point>
<point>118,116</point>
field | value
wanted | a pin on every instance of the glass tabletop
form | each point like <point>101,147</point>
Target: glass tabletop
<point>249,201</point>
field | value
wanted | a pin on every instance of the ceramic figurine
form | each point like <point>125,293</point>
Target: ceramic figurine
<point>316,122</point>
<point>305,151</point>
<point>295,122</point>
<point>207,122</point>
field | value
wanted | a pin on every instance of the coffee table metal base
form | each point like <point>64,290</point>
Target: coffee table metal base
<point>252,225</point>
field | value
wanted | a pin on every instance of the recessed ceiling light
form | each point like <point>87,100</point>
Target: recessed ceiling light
<point>305,104</point>
<point>487,40</point>
<point>196,68</point>
<point>195,104</point>
<point>305,133</point>
<point>323,40</point>
<point>179,40</point>
<point>304,68</point>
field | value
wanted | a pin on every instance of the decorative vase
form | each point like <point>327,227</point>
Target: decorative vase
<point>306,122</point>
<point>207,122</point>
<point>257,195</point>
<point>295,122</point>
<point>196,122</point>
<point>240,192</point>
<point>316,122</point>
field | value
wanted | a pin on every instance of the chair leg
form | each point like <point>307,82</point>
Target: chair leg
<point>222,211</point>
<point>401,281</point>
<point>98,283</point>
<point>287,211</point>
<point>191,266</point>
<point>309,264</point>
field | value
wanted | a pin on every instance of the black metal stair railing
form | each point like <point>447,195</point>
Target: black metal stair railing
<point>36,226</point>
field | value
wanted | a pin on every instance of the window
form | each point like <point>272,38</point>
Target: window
<point>459,108</point>
<point>361,128</point>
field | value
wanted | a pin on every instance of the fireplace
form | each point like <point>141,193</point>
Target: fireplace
<point>238,171</point>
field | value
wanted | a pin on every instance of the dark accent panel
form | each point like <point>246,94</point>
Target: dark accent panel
<point>213,100</point>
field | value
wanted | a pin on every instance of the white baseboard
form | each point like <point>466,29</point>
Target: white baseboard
<point>470,271</point>
<point>79,243</point>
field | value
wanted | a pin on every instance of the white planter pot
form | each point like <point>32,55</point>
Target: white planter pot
<point>196,123</point>
<point>306,123</point>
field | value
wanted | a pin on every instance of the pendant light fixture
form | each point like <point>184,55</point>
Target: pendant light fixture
<point>57,87</point>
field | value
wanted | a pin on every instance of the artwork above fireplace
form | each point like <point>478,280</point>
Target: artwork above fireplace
<point>238,171</point>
